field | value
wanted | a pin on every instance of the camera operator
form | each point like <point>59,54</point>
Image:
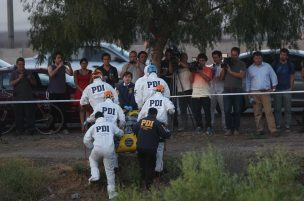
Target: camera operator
<point>166,68</point>
<point>184,87</point>
<point>133,66</point>
<point>233,74</point>
<point>202,75</point>
<point>217,87</point>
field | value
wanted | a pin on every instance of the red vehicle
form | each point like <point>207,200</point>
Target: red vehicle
<point>46,113</point>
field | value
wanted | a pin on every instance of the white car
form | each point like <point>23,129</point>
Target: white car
<point>119,57</point>
<point>4,64</point>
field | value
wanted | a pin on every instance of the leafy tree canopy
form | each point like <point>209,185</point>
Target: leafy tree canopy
<point>68,24</point>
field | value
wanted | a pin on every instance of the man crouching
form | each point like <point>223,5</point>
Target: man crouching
<point>100,138</point>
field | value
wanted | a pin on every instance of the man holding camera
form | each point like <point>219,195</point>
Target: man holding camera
<point>133,67</point>
<point>202,75</point>
<point>233,74</point>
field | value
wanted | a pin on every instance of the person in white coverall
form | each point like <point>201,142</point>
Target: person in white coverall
<point>163,106</point>
<point>112,112</point>
<point>100,138</point>
<point>138,86</point>
<point>145,88</point>
<point>94,92</point>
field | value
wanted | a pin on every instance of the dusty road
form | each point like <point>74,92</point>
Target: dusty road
<point>70,147</point>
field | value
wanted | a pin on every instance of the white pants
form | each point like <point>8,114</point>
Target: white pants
<point>108,162</point>
<point>159,157</point>
<point>220,101</point>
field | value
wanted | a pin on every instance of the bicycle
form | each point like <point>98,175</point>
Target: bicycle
<point>48,117</point>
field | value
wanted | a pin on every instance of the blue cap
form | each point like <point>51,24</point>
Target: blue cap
<point>152,68</point>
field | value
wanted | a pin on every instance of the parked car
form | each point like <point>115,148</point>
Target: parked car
<point>119,57</point>
<point>4,64</point>
<point>269,56</point>
<point>42,79</point>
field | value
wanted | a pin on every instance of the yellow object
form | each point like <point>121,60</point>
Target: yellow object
<point>133,113</point>
<point>127,143</point>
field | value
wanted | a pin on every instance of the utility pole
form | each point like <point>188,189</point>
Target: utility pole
<point>10,23</point>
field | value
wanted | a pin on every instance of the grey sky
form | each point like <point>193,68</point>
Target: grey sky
<point>21,22</point>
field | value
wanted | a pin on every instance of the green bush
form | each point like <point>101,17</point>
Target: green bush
<point>270,176</point>
<point>20,181</point>
<point>203,178</point>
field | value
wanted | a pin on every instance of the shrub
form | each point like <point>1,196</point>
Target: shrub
<point>18,180</point>
<point>203,177</point>
<point>272,177</point>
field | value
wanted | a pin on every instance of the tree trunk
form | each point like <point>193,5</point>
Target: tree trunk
<point>157,52</point>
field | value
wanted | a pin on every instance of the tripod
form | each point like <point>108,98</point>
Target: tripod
<point>174,81</point>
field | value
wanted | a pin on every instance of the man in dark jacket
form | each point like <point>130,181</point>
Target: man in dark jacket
<point>148,131</point>
<point>23,83</point>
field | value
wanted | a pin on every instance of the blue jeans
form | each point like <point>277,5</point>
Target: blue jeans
<point>279,101</point>
<point>232,108</point>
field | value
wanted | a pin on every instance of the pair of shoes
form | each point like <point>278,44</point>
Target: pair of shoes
<point>275,134</point>
<point>112,194</point>
<point>228,133</point>
<point>198,129</point>
<point>209,131</point>
<point>181,128</point>
<point>287,129</point>
<point>65,132</point>
<point>236,132</point>
<point>258,133</point>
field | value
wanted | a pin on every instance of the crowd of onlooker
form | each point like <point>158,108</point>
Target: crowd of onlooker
<point>198,85</point>
<point>194,86</point>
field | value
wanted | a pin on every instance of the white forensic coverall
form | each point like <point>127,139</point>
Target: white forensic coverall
<point>146,87</point>
<point>138,85</point>
<point>111,111</point>
<point>163,106</point>
<point>94,93</point>
<point>100,137</point>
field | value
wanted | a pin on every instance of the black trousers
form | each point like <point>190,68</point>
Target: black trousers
<point>147,161</point>
<point>197,104</point>
<point>62,106</point>
<point>184,103</point>
<point>24,117</point>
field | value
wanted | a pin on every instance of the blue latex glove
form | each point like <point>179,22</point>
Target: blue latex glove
<point>129,108</point>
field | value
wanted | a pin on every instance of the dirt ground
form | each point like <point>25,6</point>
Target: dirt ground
<point>60,147</point>
<point>59,153</point>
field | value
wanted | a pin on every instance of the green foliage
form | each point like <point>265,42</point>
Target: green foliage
<point>18,180</point>
<point>80,168</point>
<point>278,22</point>
<point>70,24</point>
<point>203,178</point>
<point>270,176</point>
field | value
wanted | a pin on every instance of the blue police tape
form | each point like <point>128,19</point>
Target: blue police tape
<point>180,96</point>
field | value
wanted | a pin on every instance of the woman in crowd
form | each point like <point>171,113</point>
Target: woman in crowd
<point>82,79</point>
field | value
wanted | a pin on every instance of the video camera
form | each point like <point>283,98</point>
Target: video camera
<point>194,67</point>
<point>227,62</point>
